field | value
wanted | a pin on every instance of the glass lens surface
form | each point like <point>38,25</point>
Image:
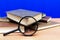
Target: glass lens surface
<point>28,30</point>
<point>30,26</point>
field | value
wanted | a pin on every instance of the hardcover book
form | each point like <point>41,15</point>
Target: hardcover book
<point>4,20</point>
<point>16,15</point>
<point>46,19</point>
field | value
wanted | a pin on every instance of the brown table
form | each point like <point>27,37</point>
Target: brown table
<point>48,34</point>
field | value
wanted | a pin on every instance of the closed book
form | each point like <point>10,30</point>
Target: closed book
<point>7,26</point>
<point>46,19</point>
<point>16,16</point>
<point>4,19</point>
<point>51,24</point>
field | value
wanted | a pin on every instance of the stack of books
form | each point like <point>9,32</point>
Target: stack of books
<point>14,16</point>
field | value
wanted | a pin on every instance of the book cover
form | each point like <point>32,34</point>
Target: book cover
<point>7,26</point>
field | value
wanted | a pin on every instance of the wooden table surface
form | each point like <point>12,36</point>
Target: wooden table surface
<point>48,34</point>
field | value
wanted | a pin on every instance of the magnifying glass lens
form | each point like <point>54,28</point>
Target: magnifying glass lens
<point>28,30</point>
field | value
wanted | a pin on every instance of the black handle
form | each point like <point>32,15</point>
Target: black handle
<point>9,32</point>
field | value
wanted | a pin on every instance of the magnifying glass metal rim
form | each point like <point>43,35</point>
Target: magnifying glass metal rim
<point>20,26</point>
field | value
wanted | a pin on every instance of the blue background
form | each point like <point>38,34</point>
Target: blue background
<point>50,7</point>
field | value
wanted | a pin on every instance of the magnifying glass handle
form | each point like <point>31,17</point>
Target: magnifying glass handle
<point>9,32</point>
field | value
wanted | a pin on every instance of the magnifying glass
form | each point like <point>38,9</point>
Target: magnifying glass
<point>28,30</point>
